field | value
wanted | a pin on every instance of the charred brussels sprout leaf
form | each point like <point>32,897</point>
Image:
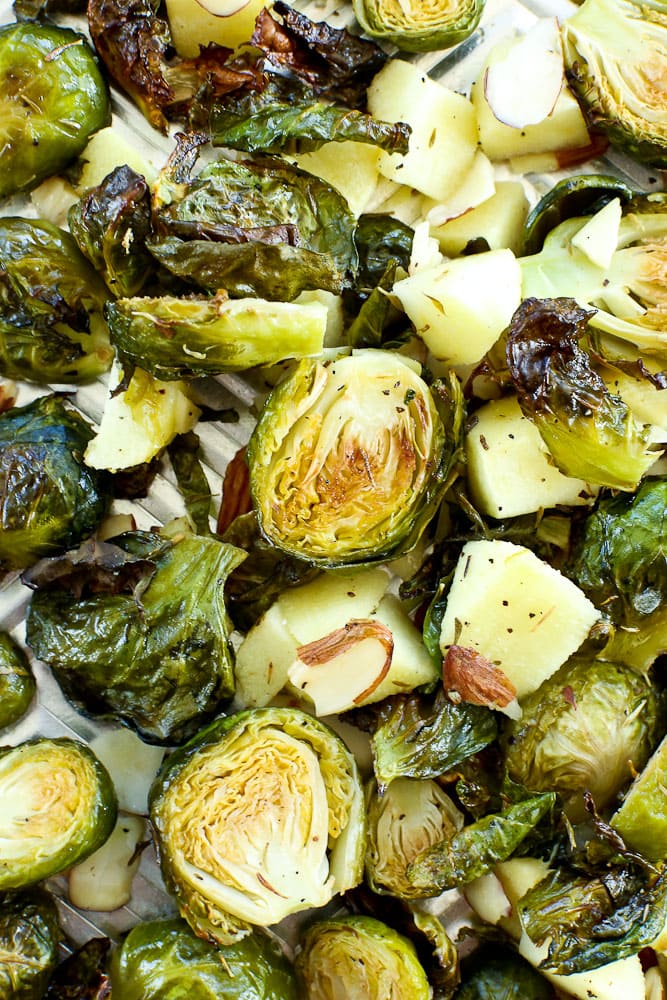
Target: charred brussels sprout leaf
<point>58,805</point>
<point>423,738</point>
<point>349,460</point>
<point>285,116</point>
<point>52,99</point>
<point>262,229</point>
<point>51,501</point>
<point>51,302</point>
<point>260,816</point>
<point>409,816</point>
<point>579,730</point>
<point>419,26</point>
<point>620,562</point>
<point>616,54</point>
<point>495,974</point>
<point>165,665</point>
<point>164,960</point>
<point>591,922</point>
<point>185,457</point>
<point>381,240</point>
<point>29,939</point>
<point>590,433</point>
<point>478,847</point>
<point>172,338</point>
<point>359,956</point>
<point>111,224</point>
<point>17,683</point>
<point>82,975</point>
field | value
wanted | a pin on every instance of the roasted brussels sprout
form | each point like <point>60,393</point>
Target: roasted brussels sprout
<point>619,561</point>
<point>408,817</point>
<point>29,939</point>
<point>173,338</point>
<point>591,434</point>
<point>165,665</point>
<point>359,957</point>
<point>164,960</point>
<point>580,729</point>
<point>495,973</point>
<point>52,97</point>
<point>58,806</point>
<point>83,975</point>
<point>51,301</point>
<point>348,461</point>
<point>419,26</point>
<point>50,499</point>
<point>17,682</point>
<point>260,816</point>
<point>616,55</point>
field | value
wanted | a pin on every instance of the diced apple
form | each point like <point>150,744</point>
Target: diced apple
<point>460,308</point>
<point>329,602</point>
<point>598,238</point>
<point>516,610</point>
<point>403,203</point>
<point>112,147</point>
<point>103,882</point>
<point>477,187</point>
<point>509,467</point>
<point>444,130</point>
<point>263,660</point>
<point>488,899</point>
<point>499,220</point>
<point>334,335</point>
<point>198,22</point>
<point>622,980</point>
<point>132,765</point>
<point>411,665</point>
<point>522,86</point>
<point>53,199</point>
<point>350,167</point>
<point>139,423</point>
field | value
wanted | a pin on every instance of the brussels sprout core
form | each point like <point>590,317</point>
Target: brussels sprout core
<point>346,460</point>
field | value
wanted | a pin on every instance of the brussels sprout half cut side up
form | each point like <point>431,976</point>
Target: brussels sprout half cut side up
<point>57,806</point>
<point>164,959</point>
<point>419,25</point>
<point>260,816</point>
<point>29,939</point>
<point>17,682</point>
<point>348,461</point>
<point>52,99</point>
<point>359,957</point>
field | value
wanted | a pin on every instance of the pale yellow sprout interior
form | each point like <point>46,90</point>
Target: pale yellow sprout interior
<point>395,13</point>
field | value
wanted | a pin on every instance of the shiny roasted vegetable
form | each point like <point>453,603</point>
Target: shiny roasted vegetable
<point>52,99</point>
<point>17,681</point>
<point>616,55</point>
<point>29,939</point>
<point>419,26</point>
<point>260,816</point>
<point>590,433</point>
<point>349,460</point>
<point>174,338</point>
<point>111,223</point>
<point>164,960</point>
<point>57,806</point>
<point>165,664</point>
<point>359,956</point>
<point>408,817</point>
<point>495,973</point>
<point>50,500</point>
<point>620,561</point>
<point>580,729</point>
<point>51,302</point>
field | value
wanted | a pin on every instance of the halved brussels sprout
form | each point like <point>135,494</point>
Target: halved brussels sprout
<point>17,682</point>
<point>29,939</point>
<point>580,730</point>
<point>407,818</point>
<point>49,500</point>
<point>51,301</point>
<point>52,99</point>
<point>359,957</point>
<point>616,54</point>
<point>57,806</point>
<point>419,25</point>
<point>164,960</point>
<point>348,461</point>
<point>260,816</point>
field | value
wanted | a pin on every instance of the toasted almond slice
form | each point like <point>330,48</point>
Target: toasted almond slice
<point>522,88</point>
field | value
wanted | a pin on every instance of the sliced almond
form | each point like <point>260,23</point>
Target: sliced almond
<point>522,88</point>
<point>469,676</point>
<point>223,8</point>
<point>235,491</point>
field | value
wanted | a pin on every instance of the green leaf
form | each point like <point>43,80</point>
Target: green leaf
<point>185,457</point>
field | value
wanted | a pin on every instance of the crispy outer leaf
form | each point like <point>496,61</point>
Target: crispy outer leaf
<point>590,433</point>
<point>29,939</point>
<point>478,847</point>
<point>422,738</point>
<point>159,658</point>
